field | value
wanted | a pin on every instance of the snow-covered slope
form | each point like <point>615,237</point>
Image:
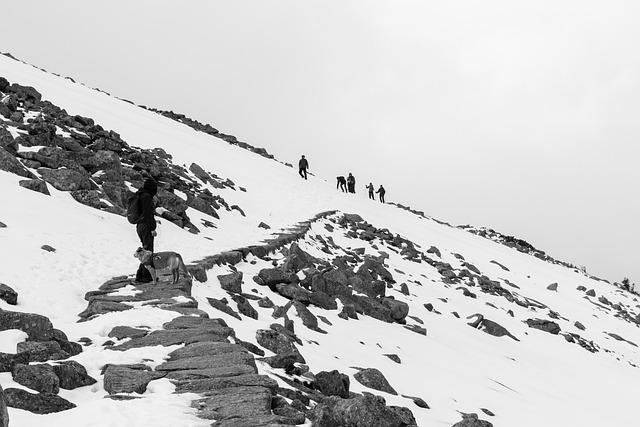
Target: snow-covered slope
<point>542,379</point>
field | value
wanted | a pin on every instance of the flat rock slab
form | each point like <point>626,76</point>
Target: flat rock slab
<point>209,362</point>
<point>41,403</point>
<point>191,322</point>
<point>205,349</point>
<point>219,372</point>
<point>122,379</point>
<point>238,402</point>
<point>204,385</point>
<point>255,421</point>
<point>171,337</point>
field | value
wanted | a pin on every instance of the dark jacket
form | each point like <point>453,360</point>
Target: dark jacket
<point>146,193</point>
<point>303,164</point>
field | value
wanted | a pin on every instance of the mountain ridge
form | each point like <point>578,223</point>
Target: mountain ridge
<point>457,269</point>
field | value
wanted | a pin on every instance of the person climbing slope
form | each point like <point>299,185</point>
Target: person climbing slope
<point>303,165</point>
<point>146,225</point>
<point>381,191</point>
<point>342,183</point>
<point>370,188</point>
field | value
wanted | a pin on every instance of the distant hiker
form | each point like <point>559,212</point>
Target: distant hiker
<point>146,225</point>
<point>303,165</point>
<point>381,191</point>
<point>370,188</point>
<point>351,183</point>
<point>342,183</point>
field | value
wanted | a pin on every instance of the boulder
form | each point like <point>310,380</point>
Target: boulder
<point>42,351</point>
<point>374,379</point>
<point>72,375</point>
<point>279,343</point>
<point>471,420</point>
<point>273,276</point>
<point>9,360</point>
<point>9,163</point>
<point>128,378</point>
<point>41,403</point>
<point>231,282</point>
<point>39,377</point>
<point>8,294</point>
<point>399,309</point>
<point>361,411</point>
<point>35,185</point>
<point>4,413</point>
<point>37,327</point>
<point>66,179</point>
<point>245,307</point>
<point>332,383</point>
<point>544,325</point>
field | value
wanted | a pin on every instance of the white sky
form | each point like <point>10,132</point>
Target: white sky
<point>516,116</point>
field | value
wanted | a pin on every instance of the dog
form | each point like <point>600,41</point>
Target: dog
<point>161,261</point>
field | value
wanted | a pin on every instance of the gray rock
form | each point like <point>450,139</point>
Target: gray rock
<point>332,383</point>
<point>177,336</point>
<point>553,287</point>
<point>72,375</point>
<point>41,403</point>
<point>9,163</point>
<point>471,420</point>
<point>37,327</point>
<point>124,379</point>
<point>399,309</point>
<point>362,411</point>
<point>245,307</point>
<point>231,282</point>
<point>39,377</point>
<point>35,185</point>
<point>8,294</point>
<point>9,360</point>
<point>120,332</point>
<point>4,413</point>
<point>278,343</point>
<point>207,384</point>
<point>221,305</point>
<point>544,325</point>
<point>42,351</point>
<point>66,179</point>
<point>235,403</point>
<point>374,379</point>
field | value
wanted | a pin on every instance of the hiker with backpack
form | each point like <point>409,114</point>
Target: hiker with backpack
<point>370,188</point>
<point>381,191</point>
<point>351,183</point>
<point>140,213</point>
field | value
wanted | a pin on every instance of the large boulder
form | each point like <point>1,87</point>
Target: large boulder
<point>36,326</point>
<point>332,383</point>
<point>279,343</point>
<point>399,309</point>
<point>39,377</point>
<point>41,403</point>
<point>231,282</point>
<point>361,411</point>
<point>9,163</point>
<point>72,375</point>
<point>35,185</point>
<point>471,420</point>
<point>42,351</point>
<point>4,413</point>
<point>373,378</point>
<point>66,179</point>
<point>129,378</point>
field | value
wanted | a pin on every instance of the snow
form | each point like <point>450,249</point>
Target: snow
<point>540,380</point>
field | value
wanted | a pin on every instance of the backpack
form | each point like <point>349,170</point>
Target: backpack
<point>134,213</point>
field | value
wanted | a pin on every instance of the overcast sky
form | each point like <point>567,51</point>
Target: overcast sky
<point>518,116</point>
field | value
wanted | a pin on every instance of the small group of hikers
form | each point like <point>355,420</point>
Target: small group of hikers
<point>350,183</point>
<point>347,185</point>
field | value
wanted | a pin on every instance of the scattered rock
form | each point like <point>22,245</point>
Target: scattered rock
<point>35,185</point>
<point>332,383</point>
<point>128,379</point>
<point>394,357</point>
<point>361,411</point>
<point>8,294</point>
<point>41,403</point>
<point>263,225</point>
<point>231,282</point>
<point>38,377</point>
<point>553,287</point>
<point>544,325</point>
<point>471,420</point>
<point>48,248</point>
<point>373,378</point>
<point>72,375</point>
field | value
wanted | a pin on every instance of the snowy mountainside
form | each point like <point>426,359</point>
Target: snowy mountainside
<point>580,370</point>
